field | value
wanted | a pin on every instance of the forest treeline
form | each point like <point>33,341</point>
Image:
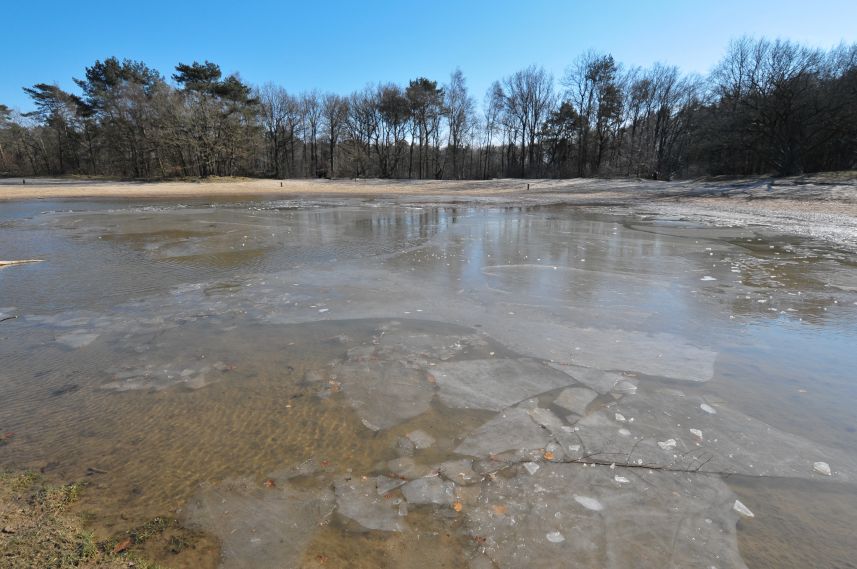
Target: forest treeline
<point>769,106</point>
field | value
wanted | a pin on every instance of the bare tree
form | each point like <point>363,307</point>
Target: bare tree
<point>458,108</point>
<point>529,100</point>
<point>493,109</point>
<point>311,115</point>
<point>274,107</point>
<point>334,114</point>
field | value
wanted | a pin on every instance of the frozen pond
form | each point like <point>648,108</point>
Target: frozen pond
<point>380,384</point>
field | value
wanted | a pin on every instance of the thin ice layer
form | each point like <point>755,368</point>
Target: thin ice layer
<point>568,512</point>
<point>385,394</point>
<point>512,429</point>
<point>731,442</point>
<point>259,528</point>
<point>494,384</point>
<point>359,501</point>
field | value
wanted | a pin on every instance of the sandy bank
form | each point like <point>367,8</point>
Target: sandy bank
<point>819,205</point>
<point>839,188</point>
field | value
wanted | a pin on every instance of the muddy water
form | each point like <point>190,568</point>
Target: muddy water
<point>179,356</point>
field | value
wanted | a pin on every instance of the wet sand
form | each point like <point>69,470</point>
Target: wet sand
<point>831,192</point>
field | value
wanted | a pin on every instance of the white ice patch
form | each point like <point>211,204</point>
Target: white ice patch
<point>589,503</point>
<point>625,386</point>
<point>739,507</point>
<point>77,339</point>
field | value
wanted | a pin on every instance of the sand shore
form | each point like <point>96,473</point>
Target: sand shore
<point>820,205</point>
<point>837,190</point>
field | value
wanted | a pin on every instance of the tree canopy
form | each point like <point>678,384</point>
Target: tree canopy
<point>768,107</point>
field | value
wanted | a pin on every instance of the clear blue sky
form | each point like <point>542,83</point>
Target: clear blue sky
<point>343,45</point>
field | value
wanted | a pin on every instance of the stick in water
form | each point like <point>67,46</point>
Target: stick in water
<point>19,262</point>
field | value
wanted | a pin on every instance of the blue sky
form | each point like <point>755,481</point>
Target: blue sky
<point>341,46</point>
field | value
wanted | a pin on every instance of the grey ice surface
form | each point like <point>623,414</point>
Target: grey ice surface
<point>360,501</point>
<point>421,439</point>
<point>429,490</point>
<point>77,339</point>
<point>494,383</point>
<point>385,394</point>
<point>385,484</point>
<point>595,379</point>
<point>460,471</point>
<point>511,429</point>
<point>659,354</point>
<point>565,512</point>
<point>661,428</point>
<point>156,378</point>
<point>407,468</point>
<point>575,399</point>
<point>259,527</point>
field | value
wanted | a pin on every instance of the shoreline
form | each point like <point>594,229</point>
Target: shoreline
<point>819,206</point>
<point>819,188</point>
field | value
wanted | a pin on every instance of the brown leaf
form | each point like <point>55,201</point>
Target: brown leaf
<point>269,483</point>
<point>549,455</point>
<point>122,546</point>
<point>457,506</point>
<point>500,510</point>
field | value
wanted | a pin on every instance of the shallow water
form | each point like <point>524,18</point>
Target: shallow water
<point>178,356</point>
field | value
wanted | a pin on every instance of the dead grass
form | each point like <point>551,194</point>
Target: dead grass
<point>39,529</point>
<point>36,529</point>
